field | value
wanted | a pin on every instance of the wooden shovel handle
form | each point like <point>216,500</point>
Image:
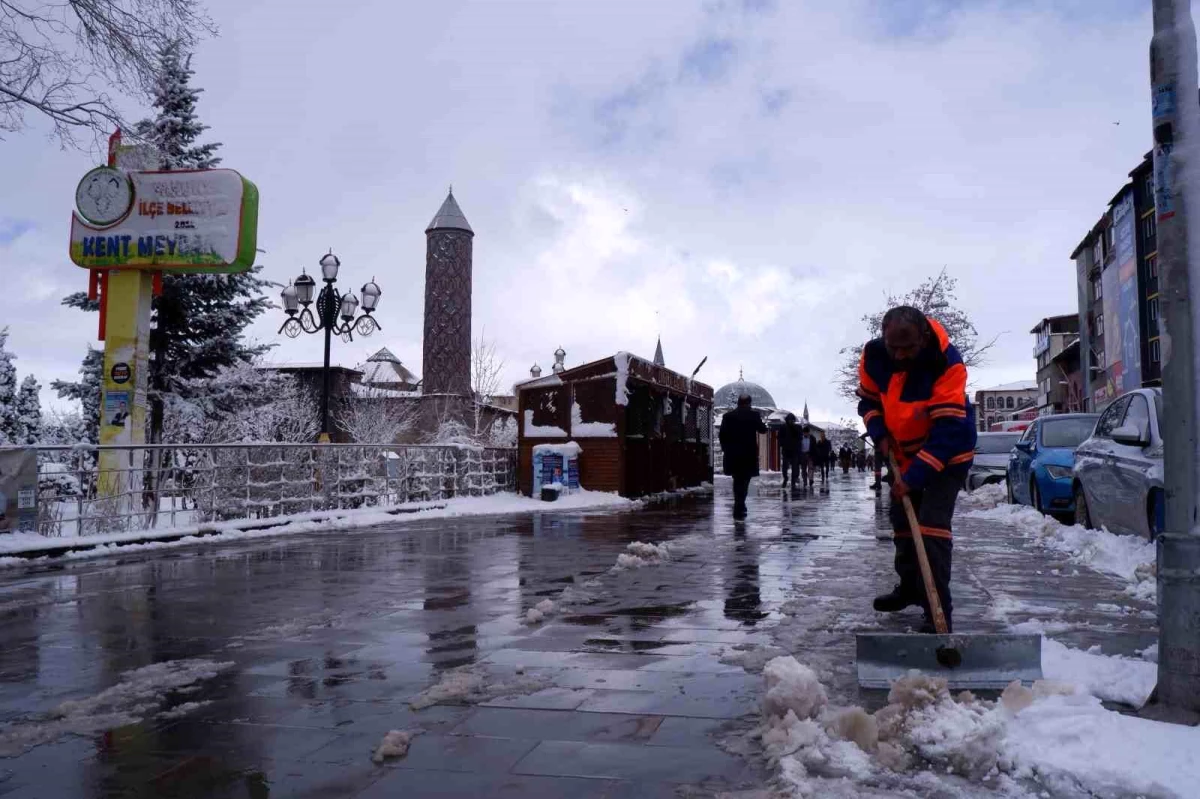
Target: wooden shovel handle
<point>935,602</point>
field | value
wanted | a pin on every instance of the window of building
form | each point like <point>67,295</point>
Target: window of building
<point>1097,288</point>
<point>1099,331</point>
<point>1098,251</point>
<point>1149,227</point>
<point>1152,309</point>
<point>991,403</point>
<point>1152,267</point>
<point>1149,188</point>
<point>1108,240</point>
<point>1155,352</point>
<point>1009,403</point>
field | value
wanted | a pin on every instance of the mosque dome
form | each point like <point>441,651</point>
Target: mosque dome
<point>727,395</point>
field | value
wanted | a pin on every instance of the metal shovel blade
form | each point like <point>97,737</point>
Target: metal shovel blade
<point>987,661</point>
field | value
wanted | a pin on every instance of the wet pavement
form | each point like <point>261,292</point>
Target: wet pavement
<point>320,643</point>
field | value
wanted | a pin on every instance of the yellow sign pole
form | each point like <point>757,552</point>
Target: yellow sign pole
<point>128,297</point>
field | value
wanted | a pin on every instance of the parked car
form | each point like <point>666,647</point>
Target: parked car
<point>1041,465</point>
<point>1118,477</point>
<point>991,459</point>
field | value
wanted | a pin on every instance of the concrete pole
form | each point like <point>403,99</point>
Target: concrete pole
<point>1176,122</point>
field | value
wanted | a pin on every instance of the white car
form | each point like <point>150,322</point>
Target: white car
<point>991,458</point>
<point>1118,475</point>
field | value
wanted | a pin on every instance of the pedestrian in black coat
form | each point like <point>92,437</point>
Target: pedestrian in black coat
<point>739,444</point>
<point>790,449</point>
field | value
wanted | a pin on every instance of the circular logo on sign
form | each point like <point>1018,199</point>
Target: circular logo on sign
<point>104,195</point>
<point>120,373</point>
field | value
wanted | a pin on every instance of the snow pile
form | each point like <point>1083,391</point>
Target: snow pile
<point>641,554</point>
<point>299,523</point>
<point>751,657</point>
<point>582,429</point>
<point>984,497</point>
<point>1109,677</point>
<point>470,685</point>
<point>1048,733</point>
<point>541,431</point>
<point>1129,557</point>
<point>621,361</point>
<point>567,450</point>
<point>1150,653</point>
<point>394,744</point>
<point>538,613</point>
<point>139,694</point>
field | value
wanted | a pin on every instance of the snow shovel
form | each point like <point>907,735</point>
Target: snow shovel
<point>975,662</point>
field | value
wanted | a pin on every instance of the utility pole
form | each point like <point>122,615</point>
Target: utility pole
<point>1175,99</point>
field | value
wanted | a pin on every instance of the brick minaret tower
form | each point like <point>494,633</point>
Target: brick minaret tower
<point>446,361</point>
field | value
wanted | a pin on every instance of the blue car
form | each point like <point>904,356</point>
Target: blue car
<point>1040,465</point>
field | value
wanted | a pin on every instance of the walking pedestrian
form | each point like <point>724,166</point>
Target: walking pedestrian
<point>739,443</point>
<point>808,446</point>
<point>821,457</point>
<point>913,401</point>
<point>789,449</point>
<point>844,459</point>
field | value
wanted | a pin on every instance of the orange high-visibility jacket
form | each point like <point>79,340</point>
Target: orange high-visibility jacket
<point>925,410</point>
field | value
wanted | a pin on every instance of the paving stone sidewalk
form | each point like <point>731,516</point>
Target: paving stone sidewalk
<point>626,688</point>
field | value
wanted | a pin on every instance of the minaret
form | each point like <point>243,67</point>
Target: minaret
<point>446,360</point>
<point>658,356</point>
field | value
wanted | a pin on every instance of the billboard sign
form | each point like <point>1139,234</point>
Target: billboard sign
<point>1129,348</point>
<point>190,221</point>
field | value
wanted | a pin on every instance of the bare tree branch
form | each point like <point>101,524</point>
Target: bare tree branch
<point>57,58</point>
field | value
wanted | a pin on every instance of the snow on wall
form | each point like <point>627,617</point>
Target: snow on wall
<point>541,431</point>
<point>621,359</point>
<point>582,429</point>
<point>567,450</point>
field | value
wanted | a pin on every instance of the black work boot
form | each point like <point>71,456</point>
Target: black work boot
<point>893,602</point>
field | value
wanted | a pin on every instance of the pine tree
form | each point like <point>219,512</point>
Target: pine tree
<point>198,319</point>
<point>10,427</point>
<point>29,411</point>
<point>87,391</point>
<point>176,128</point>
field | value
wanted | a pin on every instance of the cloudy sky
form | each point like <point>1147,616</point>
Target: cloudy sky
<point>746,177</point>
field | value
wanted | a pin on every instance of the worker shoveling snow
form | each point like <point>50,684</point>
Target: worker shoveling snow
<point>1049,736</point>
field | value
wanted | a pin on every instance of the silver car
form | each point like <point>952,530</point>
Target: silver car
<point>991,458</point>
<point>1118,476</point>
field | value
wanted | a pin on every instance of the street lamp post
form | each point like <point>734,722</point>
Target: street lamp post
<point>335,316</point>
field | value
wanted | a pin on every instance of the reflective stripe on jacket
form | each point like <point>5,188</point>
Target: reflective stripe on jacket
<point>925,410</point>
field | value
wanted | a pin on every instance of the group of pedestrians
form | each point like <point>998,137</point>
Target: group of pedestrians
<point>913,403</point>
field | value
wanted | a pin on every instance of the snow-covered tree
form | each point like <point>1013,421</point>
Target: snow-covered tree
<point>86,391</point>
<point>10,426</point>
<point>452,431</point>
<point>242,403</point>
<point>371,415</point>
<point>486,368</point>
<point>29,411</point>
<point>935,297</point>
<point>175,129</point>
<point>503,432</point>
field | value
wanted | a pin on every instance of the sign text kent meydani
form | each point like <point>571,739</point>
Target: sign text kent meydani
<point>201,221</point>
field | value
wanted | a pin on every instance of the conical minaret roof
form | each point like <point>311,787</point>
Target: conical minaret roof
<point>450,217</point>
<point>658,354</point>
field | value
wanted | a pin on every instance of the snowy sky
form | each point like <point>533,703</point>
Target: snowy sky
<point>747,176</point>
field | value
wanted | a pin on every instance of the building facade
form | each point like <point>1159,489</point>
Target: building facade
<point>1116,270</point>
<point>999,404</point>
<point>1052,336</point>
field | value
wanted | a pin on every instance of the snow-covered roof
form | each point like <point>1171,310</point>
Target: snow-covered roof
<point>450,217</point>
<point>304,365</point>
<point>374,392</point>
<point>1019,385</point>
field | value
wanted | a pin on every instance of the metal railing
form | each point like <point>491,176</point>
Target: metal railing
<point>163,486</point>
